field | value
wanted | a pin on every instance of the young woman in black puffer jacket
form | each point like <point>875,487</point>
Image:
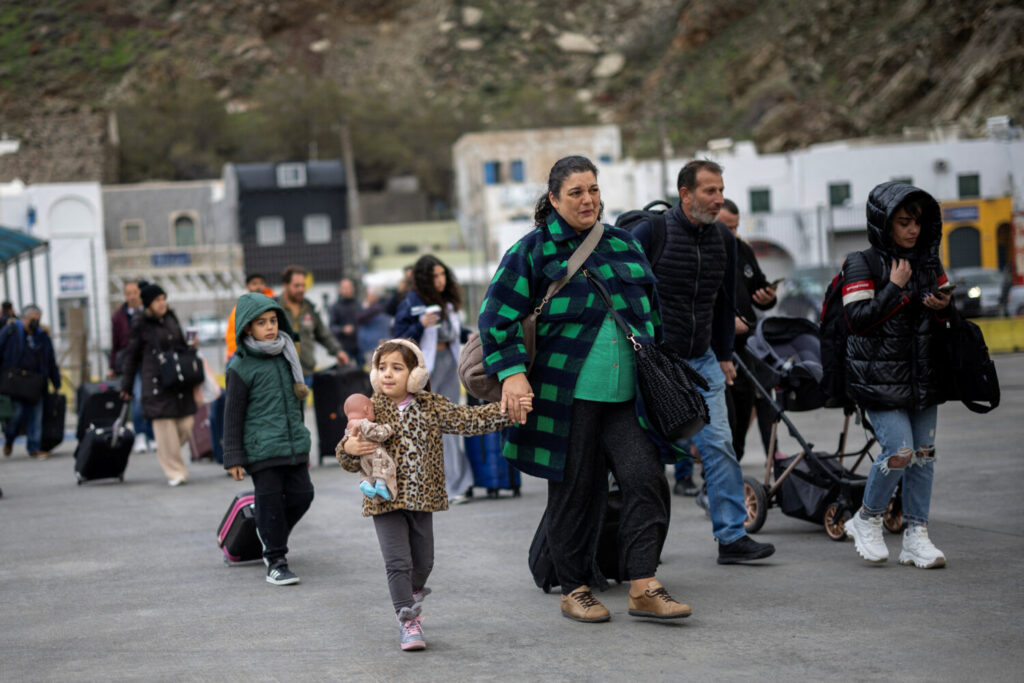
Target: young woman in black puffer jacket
<point>893,364</point>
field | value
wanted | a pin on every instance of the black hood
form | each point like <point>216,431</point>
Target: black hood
<point>884,200</point>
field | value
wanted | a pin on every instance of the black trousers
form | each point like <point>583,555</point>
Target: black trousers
<point>283,494</point>
<point>740,399</point>
<point>605,436</point>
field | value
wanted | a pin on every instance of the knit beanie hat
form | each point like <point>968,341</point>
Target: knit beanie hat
<point>150,292</point>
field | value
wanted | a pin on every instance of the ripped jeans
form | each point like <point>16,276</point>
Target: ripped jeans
<point>907,438</point>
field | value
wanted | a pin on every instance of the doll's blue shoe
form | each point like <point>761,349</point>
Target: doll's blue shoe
<point>382,491</point>
<point>368,489</point>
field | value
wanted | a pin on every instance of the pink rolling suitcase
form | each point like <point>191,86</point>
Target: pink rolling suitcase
<point>236,535</point>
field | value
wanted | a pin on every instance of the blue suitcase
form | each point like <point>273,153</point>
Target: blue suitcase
<point>491,470</point>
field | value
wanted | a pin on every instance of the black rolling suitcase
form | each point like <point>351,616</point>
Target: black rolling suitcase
<point>54,412</point>
<point>103,452</point>
<point>86,390</point>
<point>236,535</point>
<point>330,389</point>
<point>99,406</point>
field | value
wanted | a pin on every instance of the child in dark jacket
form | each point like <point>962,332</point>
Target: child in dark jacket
<point>264,433</point>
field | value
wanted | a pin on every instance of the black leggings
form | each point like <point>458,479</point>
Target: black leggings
<point>605,436</point>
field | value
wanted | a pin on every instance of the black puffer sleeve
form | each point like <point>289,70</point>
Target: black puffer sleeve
<point>867,303</point>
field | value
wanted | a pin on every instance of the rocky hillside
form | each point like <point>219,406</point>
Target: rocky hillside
<point>198,82</point>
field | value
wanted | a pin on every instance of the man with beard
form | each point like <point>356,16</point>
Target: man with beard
<point>696,274</point>
<point>303,318</point>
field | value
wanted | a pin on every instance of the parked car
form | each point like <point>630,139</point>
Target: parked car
<point>980,291</point>
<point>210,327</point>
<point>803,291</point>
<point>1015,301</point>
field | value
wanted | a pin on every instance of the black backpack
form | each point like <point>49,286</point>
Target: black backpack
<point>631,219</point>
<point>833,330</point>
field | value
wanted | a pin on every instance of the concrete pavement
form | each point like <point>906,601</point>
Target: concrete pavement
<point>116,581</point>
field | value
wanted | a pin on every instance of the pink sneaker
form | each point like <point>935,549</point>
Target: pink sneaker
<point>412,634</point>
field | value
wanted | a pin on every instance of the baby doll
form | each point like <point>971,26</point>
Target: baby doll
<point>378,468</point>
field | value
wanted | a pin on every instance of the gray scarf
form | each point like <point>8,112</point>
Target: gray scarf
<point>283,344</point>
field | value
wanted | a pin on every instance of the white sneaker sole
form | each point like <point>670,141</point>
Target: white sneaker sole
<point>874,559</point>
<point>906,560</point>
<point>283,582</point>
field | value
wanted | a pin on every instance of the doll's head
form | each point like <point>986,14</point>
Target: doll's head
<point>358,407</point>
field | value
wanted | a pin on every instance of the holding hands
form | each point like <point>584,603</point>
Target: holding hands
<point>516,397</point>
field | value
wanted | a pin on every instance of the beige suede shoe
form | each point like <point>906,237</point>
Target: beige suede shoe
<point>581,605</point>
<point>657,603</point>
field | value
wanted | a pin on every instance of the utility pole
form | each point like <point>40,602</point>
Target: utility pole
<point>352,265</point>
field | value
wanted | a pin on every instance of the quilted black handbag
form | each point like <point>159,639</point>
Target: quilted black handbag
<point>180,369</point>
<point>668,384</point>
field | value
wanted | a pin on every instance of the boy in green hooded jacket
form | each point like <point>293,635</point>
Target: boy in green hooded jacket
<point>264,433</point>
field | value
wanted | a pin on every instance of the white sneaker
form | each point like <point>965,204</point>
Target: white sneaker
<point>919,550</point>
<point>141,445</point>
<point>867,537</point>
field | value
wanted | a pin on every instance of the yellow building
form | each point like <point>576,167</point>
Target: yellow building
<point>978,232</point>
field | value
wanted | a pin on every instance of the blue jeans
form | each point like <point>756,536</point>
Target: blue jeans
<point>722,471</point>
<point>684,467</point>
<point>908,436</point>
<point>139,421</point>
<point>32,416</point>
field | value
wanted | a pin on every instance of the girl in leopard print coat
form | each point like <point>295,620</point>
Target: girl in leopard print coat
<point>418,418</point>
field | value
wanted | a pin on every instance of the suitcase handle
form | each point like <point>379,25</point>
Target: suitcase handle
<point>119,423</point>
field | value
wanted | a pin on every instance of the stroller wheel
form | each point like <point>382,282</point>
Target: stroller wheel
<point>892,518</point>
<point>756,501</point>
<point>835,521</point>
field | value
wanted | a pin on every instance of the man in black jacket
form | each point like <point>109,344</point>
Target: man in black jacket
<point>696,274</point>
<point>752,291</point>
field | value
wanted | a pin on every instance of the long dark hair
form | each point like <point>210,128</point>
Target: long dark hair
<point>562,169</point>
<point>423,283</point>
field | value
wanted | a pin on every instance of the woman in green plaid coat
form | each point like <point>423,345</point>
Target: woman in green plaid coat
<point>584,421</point>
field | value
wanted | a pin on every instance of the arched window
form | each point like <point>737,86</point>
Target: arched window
<point>964,247</point>
<point>184,231</point>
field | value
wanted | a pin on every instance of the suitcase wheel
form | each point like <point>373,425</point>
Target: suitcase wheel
<point>492,493</point>
<point>516,493</point>
<point>78,478</point>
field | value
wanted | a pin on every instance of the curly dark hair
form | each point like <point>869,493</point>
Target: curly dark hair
<point>562,169</point>
<point>423,283</point>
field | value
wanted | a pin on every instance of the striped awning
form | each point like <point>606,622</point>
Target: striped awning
<point>14,243</point>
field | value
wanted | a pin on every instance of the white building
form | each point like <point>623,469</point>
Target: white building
<point>799,208</point>
<point>72,273</point>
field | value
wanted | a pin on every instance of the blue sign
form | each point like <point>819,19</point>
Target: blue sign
<point>952,214</point>
<point>72,283</point>
<point>182,258</point>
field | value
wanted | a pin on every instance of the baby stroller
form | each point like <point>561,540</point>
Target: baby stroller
<point>785,356</point>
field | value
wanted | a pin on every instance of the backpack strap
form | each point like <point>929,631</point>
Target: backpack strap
<point>659,230</point>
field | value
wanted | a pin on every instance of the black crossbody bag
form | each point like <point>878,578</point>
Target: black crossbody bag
<point>668,385</point>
